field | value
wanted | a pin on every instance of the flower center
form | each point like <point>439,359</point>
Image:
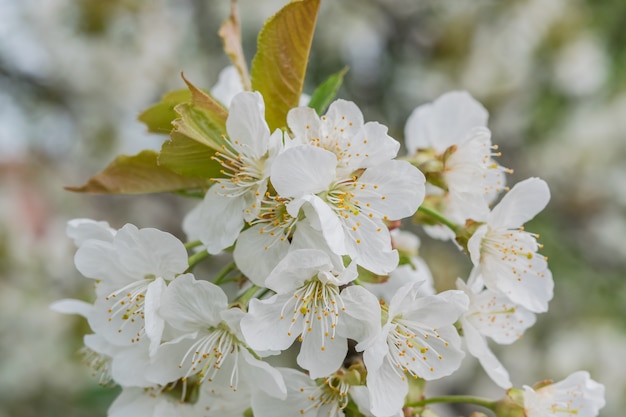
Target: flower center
<point>331,395</point>
<point>274,220</point>
<point>241,172</point>
<point>314,302</point>
<point>128,306</point>
<point>207,355</point>
<point>517,248</point>
<point>99,363</point>
<point>408,347</point>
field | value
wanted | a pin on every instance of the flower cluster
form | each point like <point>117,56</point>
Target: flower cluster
<point>308,212</point>
<point>312,213</point>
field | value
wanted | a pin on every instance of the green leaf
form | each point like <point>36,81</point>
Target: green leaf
<point>325,93</point>
<point>230,32</point>
<point>160,116</point>
<point>188,157</point>
<point>138,174</point>
<point>203,119</point>
<point>279,66</point>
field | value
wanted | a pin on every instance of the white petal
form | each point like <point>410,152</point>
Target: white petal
<point>436,310</point>
<point>228,85</point>
<point>527,282</point>
<point>477,347</point>
<point>394,189</point>
<point>257,254</point>
<point>297,267</point>
<point>98,260</point>
<point>132,402</point>
<point>304,124</point>
<point>322,355</point>
<point>261,375</point>
<point>80,230</point>
<point>371,146</point>
<point>154,324</point>
<point>116,330</point>
<point>361,319</point>
<point>343,118</point>
<point>495,316</point>
<point>219,221</point>
<point>263,327</point>
<point>71,306</point>
<point>445,122</point>
<point>474,243</point>
<point>307,237</point>
<point>369,244</point>
<point>168,364</point>
<point>387,390</point>
<point>246,124</point>
<point>297,384</point>
<point>189,304</point>
<point>525,200</point>
<point>303,170</point>
<point>323,219</point>
<point>150,252</point>
<point>129,366</point>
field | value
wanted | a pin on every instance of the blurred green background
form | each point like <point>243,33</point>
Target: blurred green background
<point>74,74</point>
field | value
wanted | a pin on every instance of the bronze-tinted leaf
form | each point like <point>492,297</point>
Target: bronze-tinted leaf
<point>279,66</point>
<point>230,32</point>
<point>189,158</point>
<point>138,174</point>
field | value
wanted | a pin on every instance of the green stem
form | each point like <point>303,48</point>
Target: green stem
<point>193,244</point>
<point>243,299</point>
<point>466,399</point>
<point>221,275</point>
<point>197,257</point>
<point>439,217</point>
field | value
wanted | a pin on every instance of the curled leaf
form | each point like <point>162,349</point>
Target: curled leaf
<point>159,117</point>
<point>203,119</point>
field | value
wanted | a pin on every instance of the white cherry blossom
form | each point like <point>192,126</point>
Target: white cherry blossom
<point>124,365</point>
<point>453,128</point>
<point>576,396</point>
<point>209,346</point>
<point>245,157</point>
<point>306,397</point>
<point>417,340</point>
<point>132,269</point>
<point>310,306</point>
<point>493,315</point>
<point>506,255</point>
<point>444,122</point>
<point>351,210</point>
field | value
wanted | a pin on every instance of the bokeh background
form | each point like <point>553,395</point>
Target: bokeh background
<point>74,74</point>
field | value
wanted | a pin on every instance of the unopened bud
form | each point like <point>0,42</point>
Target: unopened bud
<point>512,405</point>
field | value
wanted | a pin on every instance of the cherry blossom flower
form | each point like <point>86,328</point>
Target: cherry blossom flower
<point>132,269</point>
<point>453,130</point>
<point>309,398</point>
<point>417,340</point>
<point>245,157</point>
<point>506,255</point>
<point>310,305</point>
<point>160,402</point>
<point>209,344</point>
<point>491,314</point>
<point>577,395</point>
<point>351,210</point>
<point>124,365</point>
